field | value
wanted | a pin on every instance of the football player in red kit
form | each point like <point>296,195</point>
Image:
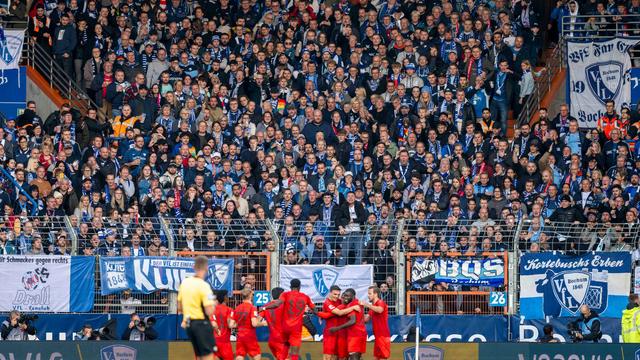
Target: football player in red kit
<point>379,316</point>
<point>246,316</point>
<point>279,348</point>
<point>294,304</point>
<point>224,324</point>
<point>333,311</point>
<point>356,331</point>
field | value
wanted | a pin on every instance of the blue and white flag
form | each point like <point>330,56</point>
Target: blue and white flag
<point>148,274</point>
<point>554,285</point>
<point>316,280</point>
<point>32,283</point>
<point>11,42</point>
<point>470,272</point>
<point>598,71</point>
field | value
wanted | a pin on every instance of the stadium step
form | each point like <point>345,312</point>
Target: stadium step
<point>511,122</point>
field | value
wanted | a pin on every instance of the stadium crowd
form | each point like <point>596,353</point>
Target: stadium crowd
<point>333,120</point>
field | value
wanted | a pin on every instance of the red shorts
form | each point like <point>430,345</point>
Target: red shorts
<point>382,348</point>
<point>279,350</point>
<point>357,344</point>
<point>343,346</point>
<point>225,352</point>
<point>330,344</point>
<point>293,338</point>
<point>246,347</point>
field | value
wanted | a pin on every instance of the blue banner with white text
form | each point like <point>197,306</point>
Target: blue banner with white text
<point>468,271</point>
<point>144,274</point>
<point>471,272</point>
<point>554,285</point>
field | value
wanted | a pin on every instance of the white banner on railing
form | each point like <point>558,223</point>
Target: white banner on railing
<point>598,71</point>
<point>317,279</point>
<point>11,42</point>
<point>47,283</point>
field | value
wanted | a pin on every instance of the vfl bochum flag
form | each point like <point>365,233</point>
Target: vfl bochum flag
<point>598,71</point>
<point>553,285</point>
<point>11,42</point>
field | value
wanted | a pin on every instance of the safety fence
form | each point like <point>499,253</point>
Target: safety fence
<point>128,302</point>
<point>411,260</point>
<point>456,283</point>
<point>252,269</point>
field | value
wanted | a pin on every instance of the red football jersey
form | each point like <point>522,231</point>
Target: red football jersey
<point>334,320</point>
<point>294,305</point>
<point>243,314</point>
<point>222,315</point>
<point>274,319</point>
<point>358,329</point>
<point>380,322</point>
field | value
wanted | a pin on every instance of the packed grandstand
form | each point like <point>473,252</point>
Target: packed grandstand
<point>431,148</point>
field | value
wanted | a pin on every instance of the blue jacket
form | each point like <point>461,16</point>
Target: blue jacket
<point>64,40</point>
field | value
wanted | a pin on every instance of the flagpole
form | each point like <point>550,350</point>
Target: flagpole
<point>417,347</point>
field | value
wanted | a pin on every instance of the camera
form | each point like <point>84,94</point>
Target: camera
<point>573,331</point>
<point>26,319</point>
<point>148,321</point>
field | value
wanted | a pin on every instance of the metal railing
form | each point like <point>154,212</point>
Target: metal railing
<point>39,58</point>
<point>542,85</point>
<point>581,28</point>
<point>251,269</point>
<point>260,247</point>
<point>577,238</point>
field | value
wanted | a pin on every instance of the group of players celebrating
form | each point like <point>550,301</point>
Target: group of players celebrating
<point>344,337</point>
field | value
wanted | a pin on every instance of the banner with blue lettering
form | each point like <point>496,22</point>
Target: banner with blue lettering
<point>555,285</point>
<point>469,271</point>
<point>47,283</point>
<point>148,274</point>
<point>598,71</point>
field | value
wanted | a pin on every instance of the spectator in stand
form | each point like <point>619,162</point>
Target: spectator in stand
<point>64,43</point>
<point>214,123</point>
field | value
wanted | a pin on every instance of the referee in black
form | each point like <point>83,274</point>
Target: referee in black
<point>195,302</point>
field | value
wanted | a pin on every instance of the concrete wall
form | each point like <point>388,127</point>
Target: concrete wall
<point>559,98</point>
<point>44,103</point>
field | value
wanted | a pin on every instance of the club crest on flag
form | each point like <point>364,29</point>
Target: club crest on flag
<point>323,279</point>
<point>10,50</point>
<point>605,79</point>
<point>570,289</point>
<point>218,275</point>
